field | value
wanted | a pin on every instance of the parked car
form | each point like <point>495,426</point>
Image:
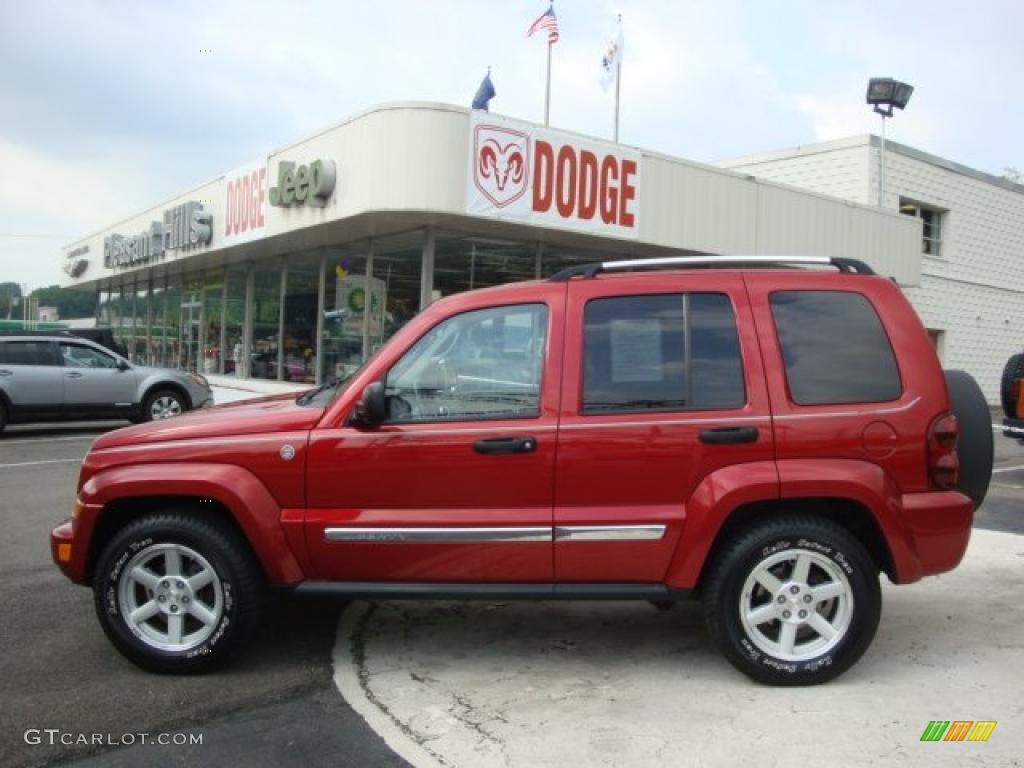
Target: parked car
<point>62,378</point>
<point>102,336</point>
<point>765,435</point>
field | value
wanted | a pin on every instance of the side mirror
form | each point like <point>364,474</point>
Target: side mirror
<point>373,408</point>
<point>122,365</point>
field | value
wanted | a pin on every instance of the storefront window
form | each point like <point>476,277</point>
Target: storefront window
<point>349,330</point>
<point>171,341</point>
<point>191,329</point>
<point>140,338</point>
<point>213,298</point>
<point>397,262</point>
<point>300,322</point>
<point>234,297</point>
<point>463,263</point>
<point>266,319</point>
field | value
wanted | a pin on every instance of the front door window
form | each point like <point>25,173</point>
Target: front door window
<point>478,365</point>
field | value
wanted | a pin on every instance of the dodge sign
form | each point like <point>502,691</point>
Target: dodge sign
<point>525,173</point>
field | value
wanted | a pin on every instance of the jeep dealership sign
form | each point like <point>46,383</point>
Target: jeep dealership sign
<point>525,173</point>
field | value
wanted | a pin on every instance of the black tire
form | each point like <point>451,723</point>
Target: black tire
<point>837,555</point>
<point>159,395</point>
<point>3,416</point>
<point>1013,370</point>
<point>145,542</point>
<point>975,446</point>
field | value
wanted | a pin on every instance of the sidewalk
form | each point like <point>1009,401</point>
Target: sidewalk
<point>548,685</point>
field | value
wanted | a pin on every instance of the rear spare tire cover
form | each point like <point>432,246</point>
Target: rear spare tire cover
<point>975,445</point>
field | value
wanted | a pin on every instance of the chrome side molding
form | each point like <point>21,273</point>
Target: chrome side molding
<point>488,534</point>
<point>609,532</point>
<point>477,534</point>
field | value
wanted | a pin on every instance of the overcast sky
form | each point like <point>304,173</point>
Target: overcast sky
<point>107,108</point>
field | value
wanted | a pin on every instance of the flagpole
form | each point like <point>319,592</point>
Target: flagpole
<point>618,81</point>
<point>547,90</point>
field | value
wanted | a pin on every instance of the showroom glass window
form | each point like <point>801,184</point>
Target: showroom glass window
<point>661,352</point>
<point>834,348</point>
<point>266,319</point>
<point>353,322</point>
<point>299,342</point>
<point>485,364</point>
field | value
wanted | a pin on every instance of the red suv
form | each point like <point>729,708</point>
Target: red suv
<point>765,434</point>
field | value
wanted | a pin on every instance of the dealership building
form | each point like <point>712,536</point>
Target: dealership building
<point>292,269</point>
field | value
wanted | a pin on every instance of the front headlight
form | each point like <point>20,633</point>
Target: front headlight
<point>200,380</point>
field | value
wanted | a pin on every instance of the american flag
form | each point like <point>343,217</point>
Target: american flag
<point>548,21</point>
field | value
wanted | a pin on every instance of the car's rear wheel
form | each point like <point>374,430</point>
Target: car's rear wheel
<point>175,593</point>
<point>1012,371</point>
<point>3,416</point>
<point>975,446</point>
<point>793,601</point>
<point>163,404</point>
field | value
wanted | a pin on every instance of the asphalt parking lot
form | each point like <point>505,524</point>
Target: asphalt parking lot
<point>280,705</point>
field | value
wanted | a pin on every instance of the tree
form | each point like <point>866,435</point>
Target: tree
<point>69,303</point>
<point>8,292</point>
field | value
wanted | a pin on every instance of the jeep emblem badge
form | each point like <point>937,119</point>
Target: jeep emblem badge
<point>287,452</point>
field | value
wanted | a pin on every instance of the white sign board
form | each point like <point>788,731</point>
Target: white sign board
<point>245,204</point>
<point>525,173</point>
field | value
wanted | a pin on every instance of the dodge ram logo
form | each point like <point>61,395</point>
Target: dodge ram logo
<point>502,163</point>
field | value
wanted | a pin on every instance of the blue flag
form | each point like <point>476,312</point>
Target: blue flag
<point>484,93</point>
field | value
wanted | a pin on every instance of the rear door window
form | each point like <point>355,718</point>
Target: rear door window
<point>834,348</point>
<point>661,352</point>
<point>27,353</point>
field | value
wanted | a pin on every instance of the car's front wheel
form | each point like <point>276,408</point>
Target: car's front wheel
<point>793,601</point>
<point>176,593</point>
<point>163,404</point>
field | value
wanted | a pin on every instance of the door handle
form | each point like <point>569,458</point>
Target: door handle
<point>5,372</point>
<point>73,375</point>
<point>722,435</point>
<point>506,445</point>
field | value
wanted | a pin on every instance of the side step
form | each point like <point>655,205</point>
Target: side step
<point>352,590</point>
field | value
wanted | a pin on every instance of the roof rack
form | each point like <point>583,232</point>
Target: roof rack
<point>843,264</point>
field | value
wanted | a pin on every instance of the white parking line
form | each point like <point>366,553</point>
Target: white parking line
<point>1006,469</point>
<point>49,439</point>
<point>37,463</point>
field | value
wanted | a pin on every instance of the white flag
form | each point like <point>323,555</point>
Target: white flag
<point>611,60</point>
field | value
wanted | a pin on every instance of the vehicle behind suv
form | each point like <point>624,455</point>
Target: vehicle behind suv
<point>62,378</point>
<point>766,438</point>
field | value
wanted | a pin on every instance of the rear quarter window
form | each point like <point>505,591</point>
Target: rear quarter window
<point>834,348</point>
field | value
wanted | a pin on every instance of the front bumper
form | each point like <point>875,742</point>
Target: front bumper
<point>939,527</point>
<point>62,548</point>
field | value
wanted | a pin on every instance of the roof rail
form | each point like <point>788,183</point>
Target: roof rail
<point>843,264</point>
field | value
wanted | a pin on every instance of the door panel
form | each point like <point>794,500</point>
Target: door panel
<point>93,382</point>
<point>30,376</point>
<point>417,500</point>
<point>636,460</point>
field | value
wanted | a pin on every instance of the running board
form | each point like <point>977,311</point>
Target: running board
<point>412,591</point>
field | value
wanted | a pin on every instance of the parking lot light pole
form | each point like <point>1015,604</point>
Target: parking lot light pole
<point>883,94</point>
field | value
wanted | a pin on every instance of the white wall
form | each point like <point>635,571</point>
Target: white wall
<point>974,291</point>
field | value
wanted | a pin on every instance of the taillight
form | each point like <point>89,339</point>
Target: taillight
<point>943,464</point>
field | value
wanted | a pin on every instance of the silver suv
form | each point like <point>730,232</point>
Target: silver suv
<point>61,378</point>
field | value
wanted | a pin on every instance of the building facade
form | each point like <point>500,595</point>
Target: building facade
<point>971,239</point>
<point>297,266</point>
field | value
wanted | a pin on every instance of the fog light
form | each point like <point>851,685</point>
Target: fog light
<point>64,552</point>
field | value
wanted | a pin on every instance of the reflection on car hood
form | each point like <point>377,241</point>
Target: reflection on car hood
<point>248,417</point>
